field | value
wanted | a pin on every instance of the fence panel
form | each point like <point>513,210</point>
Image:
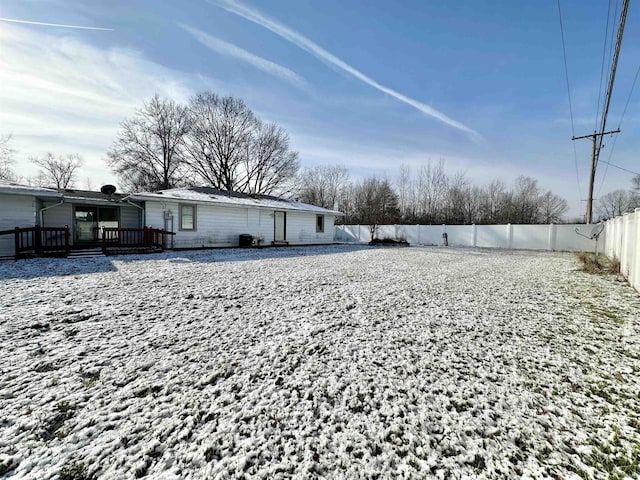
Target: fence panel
<point>526,237</point>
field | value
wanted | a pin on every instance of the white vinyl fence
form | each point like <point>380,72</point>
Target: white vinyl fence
<point>622,241</point>
<point>526,237</point>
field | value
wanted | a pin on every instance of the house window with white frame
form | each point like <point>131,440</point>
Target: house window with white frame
<point>188,217</point>
<point>319,223</point>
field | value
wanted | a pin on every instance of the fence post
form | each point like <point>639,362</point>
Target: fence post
<point>551,238</point>
<point>17,243</point>
<point>37,240</point>
<point>418,226</point>
<point>67,234</point>
<point>474,235</point>
<point>509,236</point>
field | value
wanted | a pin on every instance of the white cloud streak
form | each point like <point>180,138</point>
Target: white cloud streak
<point>28,22</point>
<point>233,51</point>
<point>304,43</point>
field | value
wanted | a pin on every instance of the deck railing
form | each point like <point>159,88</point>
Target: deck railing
<point>134,237</point>
<point>39,240</point>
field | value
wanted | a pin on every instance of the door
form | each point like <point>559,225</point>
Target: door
<point>86,219</point>
<point>280,226</point>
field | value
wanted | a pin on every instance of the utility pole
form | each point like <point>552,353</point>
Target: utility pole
<point>594,163</point>
<point>597,137</point>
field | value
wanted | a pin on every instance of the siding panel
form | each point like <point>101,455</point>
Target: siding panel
<point>15,211</point>
<point>129,217</point>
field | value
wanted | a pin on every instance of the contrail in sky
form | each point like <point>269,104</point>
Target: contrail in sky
<point>231,50</point>
<point>28,22</point>
<point>314,49</point>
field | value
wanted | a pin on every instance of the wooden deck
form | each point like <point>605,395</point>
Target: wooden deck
<point>55,241</point>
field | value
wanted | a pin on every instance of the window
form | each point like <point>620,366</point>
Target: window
<point>319,223</point>
<point>187,217</point>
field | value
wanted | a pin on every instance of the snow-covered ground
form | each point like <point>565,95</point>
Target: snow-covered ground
<point>324,362</point>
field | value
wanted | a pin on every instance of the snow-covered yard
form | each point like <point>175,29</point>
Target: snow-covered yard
<point>323,362</point>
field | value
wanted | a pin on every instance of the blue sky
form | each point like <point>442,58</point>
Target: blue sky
<point>369,84</point>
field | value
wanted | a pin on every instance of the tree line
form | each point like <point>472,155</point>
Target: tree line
<point>429,195</point>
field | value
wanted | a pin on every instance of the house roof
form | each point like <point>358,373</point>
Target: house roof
<point>209,195</point>
<point>10,188</point>
<point>67,195</point>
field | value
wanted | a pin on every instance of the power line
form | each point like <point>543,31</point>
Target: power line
<point>621,168</point>
<point>612,76</point>
<point>566,73</point>
<point>624,111</point>
<point>604,52</point>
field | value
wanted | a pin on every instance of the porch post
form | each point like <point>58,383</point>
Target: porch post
<point>37,241</point>
<point>66,239</point>
<point>17,243</point>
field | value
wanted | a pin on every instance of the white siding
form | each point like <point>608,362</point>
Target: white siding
<point>129,217</point>
<point>218,226</point>
<point>301,228</point>
<point>15,211</point>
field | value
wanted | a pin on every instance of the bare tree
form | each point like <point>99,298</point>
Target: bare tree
<point>6,159</point>
<point>148,153</point>
<point>324,186</point>
<point>269,164</point>
<point>220,138</point>
<point>375,203</point>
<point>635,190</point>
<point>404,187</point>
<point>457,197</point>
<point>58,172</point>
<point>433,183</point>
<point>552,207</point>
<point>615,203</point>
<point>525,201</point>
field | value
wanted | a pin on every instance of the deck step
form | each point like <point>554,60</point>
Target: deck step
<point>86,253</point>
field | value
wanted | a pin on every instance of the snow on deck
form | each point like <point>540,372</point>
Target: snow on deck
<point>323,362</point>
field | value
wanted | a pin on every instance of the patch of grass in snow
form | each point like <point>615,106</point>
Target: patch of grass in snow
<point>63,411</point>
<point>77,471</point>
<point>601,265</point>
<point>613,458</point>
<point>578,471</point>
<point>599,312</point>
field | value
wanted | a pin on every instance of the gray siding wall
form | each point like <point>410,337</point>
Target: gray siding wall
<point>59,216</point>
<point>15,211</point>
<point>130,217</point>
<point>218,226</point>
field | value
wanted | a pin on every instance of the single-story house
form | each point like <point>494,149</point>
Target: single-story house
<point>207,217</point>
<point>199,216</point>
<point>83,212</point>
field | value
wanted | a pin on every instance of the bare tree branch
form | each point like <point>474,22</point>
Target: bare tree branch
<point>58,172</point>
<point>6,159</point>
<point>149,151</point>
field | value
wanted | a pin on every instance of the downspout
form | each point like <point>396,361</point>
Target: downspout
<point>47,208</point>
<point>137,206</point>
